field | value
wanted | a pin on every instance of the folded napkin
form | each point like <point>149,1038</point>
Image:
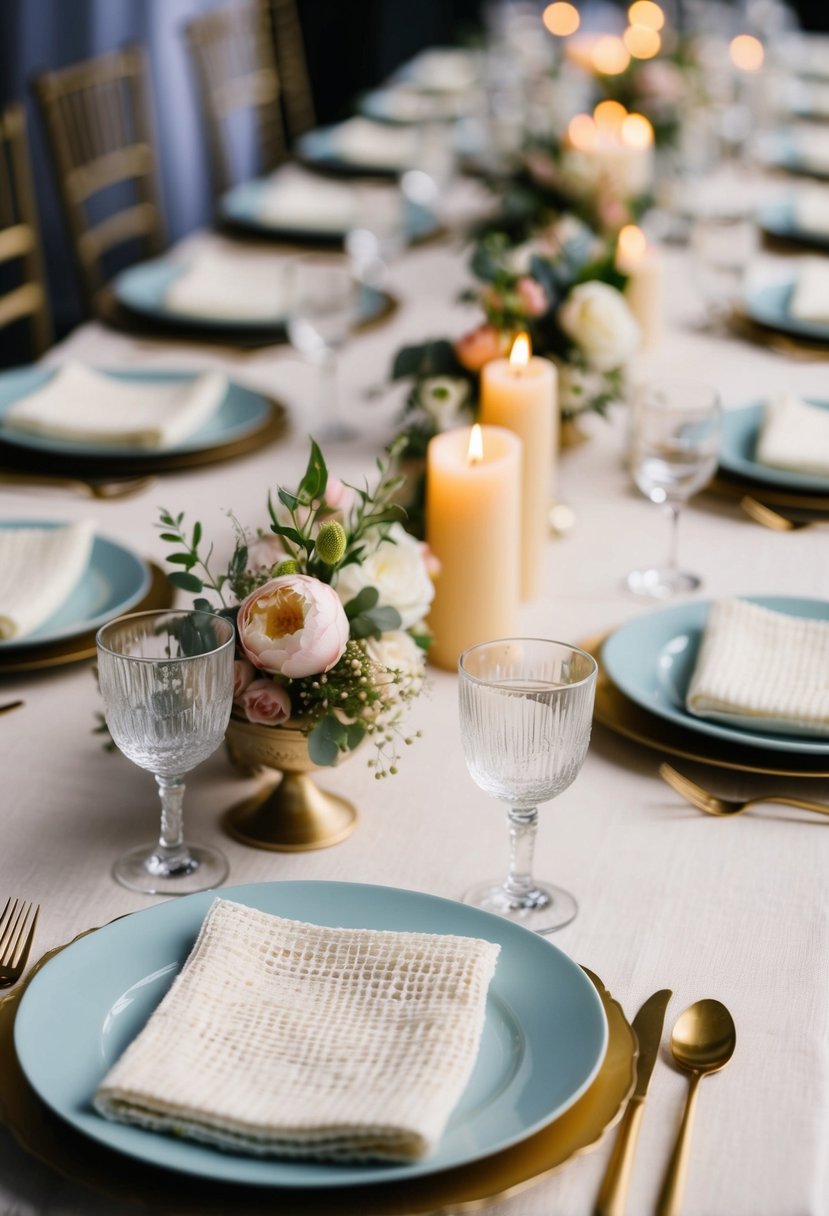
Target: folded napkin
<point>767,667</point>
<point>363,142</point>
<point>810,298</point>
<point>294,199</point>
<point>794,435</point>
<point>39,569</point>
<point>284,1038</point>
<point>811,209</point>
<point>220,286</point>
<point>810,146</point>
<point>85,406</point>
<point>444,69</point>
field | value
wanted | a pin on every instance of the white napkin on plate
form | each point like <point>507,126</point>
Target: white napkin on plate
<point>444,69</point>
<point>810,298</point>
<point>39,569</point>
<point>220,286</point>
<point>284,1038</point>
<point>794,435</point>
<point>363,142</point>
<point>295,199</point>
<point>764,668</point>
<point>811,209</point>
<point>85,406</point>
<point>810,146</point>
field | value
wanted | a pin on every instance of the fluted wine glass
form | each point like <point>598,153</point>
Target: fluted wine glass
<point>167,683</point>
<point>526,707</point>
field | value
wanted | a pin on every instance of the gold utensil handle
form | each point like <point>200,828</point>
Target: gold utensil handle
<point>44,479</point>
<point>614,1189</point>
<point>805,804</point>
<point>673,1185</point>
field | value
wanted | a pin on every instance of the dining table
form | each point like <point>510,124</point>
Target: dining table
<point>668,898</point>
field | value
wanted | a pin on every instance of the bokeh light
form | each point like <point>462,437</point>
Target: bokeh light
<point>647,14</point>
<point>747,53</point>
<point>610,56</point>
<point>582,132</point>
<point>610,115</point>
<point>561,19</point>
<point>637,132</point>
<point>641,42</point>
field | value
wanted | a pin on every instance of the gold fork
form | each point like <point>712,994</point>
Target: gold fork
<point>724,807</point>
<point>763,514</point>
<point>106,490</point>
<point>17,929</point>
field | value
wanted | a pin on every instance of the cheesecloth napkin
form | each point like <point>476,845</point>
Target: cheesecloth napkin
<point>221,286</point>
<point>810,299</point>
<point>762,666</point>
<point>82,405</point>
<point>39,568</point>
<point>294,199</point>
<point>794,435</point>
<point>284,1038</point>
<point>363,142</point>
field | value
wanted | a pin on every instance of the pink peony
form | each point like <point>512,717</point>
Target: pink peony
<point>480,346</point>
<point>243,674</point>
<point>294,626</point>
<point>532,295</point>
<point>265,702</point>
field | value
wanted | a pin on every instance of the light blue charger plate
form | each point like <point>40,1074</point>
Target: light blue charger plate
<point>769,306</point>
<point>651,660</point>
<point>740,430</point>
<point>543,1043</point>
<point>779,219</point>
<point>114,581</point>
<point>240,413</point>
<point>143,288</point>
<point>242,204</point>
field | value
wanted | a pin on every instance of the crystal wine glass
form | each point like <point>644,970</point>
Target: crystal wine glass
<point>324,304</point>
<point>526,707</point>
<point>674,442</point>
<point>167,683</point>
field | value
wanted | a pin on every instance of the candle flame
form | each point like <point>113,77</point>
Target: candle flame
<point>561,19</point>
<point>609,116</point>
<point>582,132</point>
<point>747,53</point>
<point>519,356</point>
<point>610,56</point>
<point>637,132</point>
<point>475,451</point>
<point>632,246</point>
<point>642,42</point>
<point>647,13</point>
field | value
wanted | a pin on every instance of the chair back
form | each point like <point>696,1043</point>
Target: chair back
<point>297,95</point>
<point>19,234</point>
<point>99,131</point>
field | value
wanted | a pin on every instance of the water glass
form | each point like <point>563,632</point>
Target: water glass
<point>526,708</point>
<point>674,443</point>
<point>721,248</point>
<point>167,683</point>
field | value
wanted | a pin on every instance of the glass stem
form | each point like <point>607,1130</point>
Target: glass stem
<point>329,399</point>
<point>171,836</point>
<point>673,542</point>
<point>523,823</point>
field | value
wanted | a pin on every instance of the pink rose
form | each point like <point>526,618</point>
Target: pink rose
<point>480,346</point>
<point>339,497</point>
<point>532,295</point>
<point>265,702</point>
<point>243,674</point>
<point>265,553</point>
<point>294,626</point>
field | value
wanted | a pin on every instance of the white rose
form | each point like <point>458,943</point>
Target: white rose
<point>397,569</point>
<point>397,652</point>
<point>446,400</point>
<point>597,318</point>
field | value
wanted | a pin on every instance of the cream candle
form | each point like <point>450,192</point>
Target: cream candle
<point>521,394</point>
<point>473,524</point>
<point>644,290</point>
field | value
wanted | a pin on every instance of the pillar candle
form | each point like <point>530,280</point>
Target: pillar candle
<point>523,397</point>
<point>644,291</point>
<point>473,525</point>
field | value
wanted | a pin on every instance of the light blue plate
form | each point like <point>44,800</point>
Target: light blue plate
<point>242,204</point>
<point>543,1042</point>
<point>769,306</point>
<point>114,581</point>
<point>784,155</point>
<point>143,288</point>
<point>740,431</point>
<point>240,412</point>
<point>778,219</point>
<point>319,148</point>
<point>651,660</point>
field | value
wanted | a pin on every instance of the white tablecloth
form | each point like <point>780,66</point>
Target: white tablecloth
<point>668,897</point>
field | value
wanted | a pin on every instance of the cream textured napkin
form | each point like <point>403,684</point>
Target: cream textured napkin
<point>223,287</point>
<point>39,569</point>
<point>363,142</point>
<point>794,435</point>
<point>811,209</point>
<point>85,406</point>
<point>810,298</point>
<point>295,199</point>
<point>284,1038</point>
<point>764,666</point>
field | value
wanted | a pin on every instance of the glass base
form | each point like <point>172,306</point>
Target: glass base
<point>544,909</point>
<point>662,583</point>
<point>193,868</point>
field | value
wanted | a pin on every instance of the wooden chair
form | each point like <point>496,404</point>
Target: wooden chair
<point>297,95</point>
<point>19,234</point>
<point>98,125</point>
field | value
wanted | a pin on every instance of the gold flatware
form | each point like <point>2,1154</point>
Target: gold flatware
<point>10,705</point>
<point>763,514</point>
<point>724,807</point>
<point>105,490</point>
<point>703,1041</point>
<point>17,929</point>
<point>648,1025</point>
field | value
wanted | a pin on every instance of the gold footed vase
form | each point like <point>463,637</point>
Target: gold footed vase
<point>291,814</point>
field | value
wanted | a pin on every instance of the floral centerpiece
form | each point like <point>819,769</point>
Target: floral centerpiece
<point>329,604</point>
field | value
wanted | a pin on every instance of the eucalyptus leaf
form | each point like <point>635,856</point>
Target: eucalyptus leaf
<point>364,600</point>
<point>184,581</point>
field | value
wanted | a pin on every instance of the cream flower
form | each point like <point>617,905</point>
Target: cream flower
<point>398,654</point>
<point>597,318</point>
<point>397,569</point>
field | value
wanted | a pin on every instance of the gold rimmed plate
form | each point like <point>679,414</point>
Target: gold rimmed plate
<point>731,485</point>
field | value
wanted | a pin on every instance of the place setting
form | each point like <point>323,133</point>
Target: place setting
<point>800,218</point>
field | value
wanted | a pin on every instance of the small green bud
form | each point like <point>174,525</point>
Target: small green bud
<point>289,566</point>
<point>331,542</point>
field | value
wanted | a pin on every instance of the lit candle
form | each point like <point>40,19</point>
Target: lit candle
<point>644,291</point>
<point>473,526</point>
<point>619,145</point>
<point>521,394</point>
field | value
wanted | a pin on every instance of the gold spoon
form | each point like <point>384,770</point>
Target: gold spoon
<point>725,807</point>
<point>702,1041</point>
<point>107,491</point>
<point>763,514</point>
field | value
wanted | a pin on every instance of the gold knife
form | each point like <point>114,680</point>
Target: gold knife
<point>648,1025</point>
